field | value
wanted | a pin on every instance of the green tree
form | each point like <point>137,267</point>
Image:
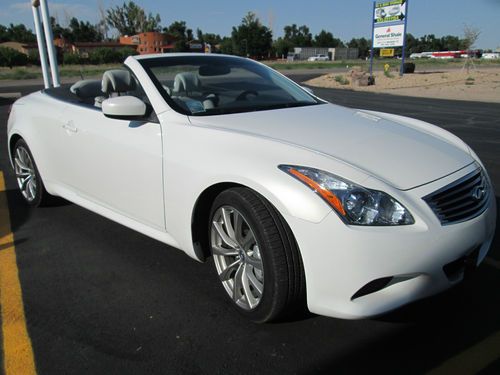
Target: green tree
<point>282,47</point>
<point>4,36</point>
<point>210,38</point>
<point>298,36</point>
<point>451,43</point>
<point>33,57</point>
<point>362,44</point>
<point>226,46</point>
<point>251,38</point>
<point>181,34</point>
<point>16,33</point>
<point>429,43</point>
<point>326,39</point>
<point>109,55</point>
<point>131,19</point>
<point>84,31</point>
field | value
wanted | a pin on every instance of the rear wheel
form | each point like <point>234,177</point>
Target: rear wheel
<point>27,175</point>
<point>255,256</point>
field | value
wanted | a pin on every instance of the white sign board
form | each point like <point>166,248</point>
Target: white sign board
<point>391,11</point>
<point>388,36</point>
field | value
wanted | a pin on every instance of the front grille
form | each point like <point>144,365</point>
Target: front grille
<point>461,200</point>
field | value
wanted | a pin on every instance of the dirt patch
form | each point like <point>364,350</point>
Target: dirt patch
<point>477,85</point>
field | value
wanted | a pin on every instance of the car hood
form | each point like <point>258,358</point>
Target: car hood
<point>390,148</point>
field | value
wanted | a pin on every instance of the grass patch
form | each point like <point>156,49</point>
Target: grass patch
<point>470,81</point>
<point>86,70</point>
<point>342,80</point>
<point>19,73</point>
<point>68,71</point>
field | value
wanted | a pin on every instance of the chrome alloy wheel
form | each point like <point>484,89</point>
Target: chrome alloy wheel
<point>237,257</point>
<point>25,173</point>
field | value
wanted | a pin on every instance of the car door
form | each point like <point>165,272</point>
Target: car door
<point>115,163</point>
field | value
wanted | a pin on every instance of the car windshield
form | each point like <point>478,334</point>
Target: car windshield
<point>215,85</point>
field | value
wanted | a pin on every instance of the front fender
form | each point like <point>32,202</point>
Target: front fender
<point>198,157</point>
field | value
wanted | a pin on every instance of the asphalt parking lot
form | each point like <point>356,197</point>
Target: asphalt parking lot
<point>101,299</point>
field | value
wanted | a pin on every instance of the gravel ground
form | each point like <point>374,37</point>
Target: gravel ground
<point>477,85</point>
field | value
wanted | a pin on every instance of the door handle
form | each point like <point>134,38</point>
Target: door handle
<point>69,126</point>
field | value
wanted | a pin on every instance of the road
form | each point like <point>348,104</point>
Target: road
<point>102,299</point>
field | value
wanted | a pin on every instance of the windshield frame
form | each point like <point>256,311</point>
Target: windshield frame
<point>170,61</point>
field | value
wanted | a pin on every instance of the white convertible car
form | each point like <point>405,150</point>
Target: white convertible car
<point>298,201</point>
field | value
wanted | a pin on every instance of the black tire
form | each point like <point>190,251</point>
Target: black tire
<point>41,197</point>
<point>283,293</point>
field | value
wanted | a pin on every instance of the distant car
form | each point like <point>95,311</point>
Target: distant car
<point>318,57</point>
<point>297,200</point>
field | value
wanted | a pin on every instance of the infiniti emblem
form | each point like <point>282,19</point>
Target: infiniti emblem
<point>478,193</point>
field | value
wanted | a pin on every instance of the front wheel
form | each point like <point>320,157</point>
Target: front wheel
<point>255,256</point>
<point>27,175</point>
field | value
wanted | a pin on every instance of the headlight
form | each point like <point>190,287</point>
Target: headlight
<point>354,204</point>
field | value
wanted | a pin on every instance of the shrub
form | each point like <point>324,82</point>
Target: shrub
<point>342,80</point>
<point>109,56</point>
<point>126,52</point>
<point>469,81</point>
<point>10,57</point>
<point>33,57</point>
<point>71,58</point>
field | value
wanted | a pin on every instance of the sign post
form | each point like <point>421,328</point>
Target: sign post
<point>402,70</point>
<point>389,21</point>
<point>371,49</point>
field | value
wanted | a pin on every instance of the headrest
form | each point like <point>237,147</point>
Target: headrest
<point>117,81</point>
<point>185,82</point>
<point>86,88</point>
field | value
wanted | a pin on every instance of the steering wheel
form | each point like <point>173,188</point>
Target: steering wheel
<point>244,94</point>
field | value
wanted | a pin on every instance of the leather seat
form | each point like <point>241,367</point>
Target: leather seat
<point>115,82</point>
<point>186,83</point>
<point>87,88</point>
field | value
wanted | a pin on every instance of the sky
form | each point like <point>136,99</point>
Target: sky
<point>344,18</point>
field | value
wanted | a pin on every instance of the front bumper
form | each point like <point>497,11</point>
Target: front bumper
<point>394,265</point>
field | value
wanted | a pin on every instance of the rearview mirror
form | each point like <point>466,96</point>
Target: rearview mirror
<point>213,70</point>
<point>124,108</point>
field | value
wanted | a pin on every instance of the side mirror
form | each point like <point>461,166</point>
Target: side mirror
<point>124,108</point>
<point>309,90</point>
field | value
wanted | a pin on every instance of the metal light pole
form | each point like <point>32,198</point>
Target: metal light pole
<point>49,39</point>
<point>41,45</point>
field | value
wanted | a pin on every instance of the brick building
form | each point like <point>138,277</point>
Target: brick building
<point>148,42</point>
